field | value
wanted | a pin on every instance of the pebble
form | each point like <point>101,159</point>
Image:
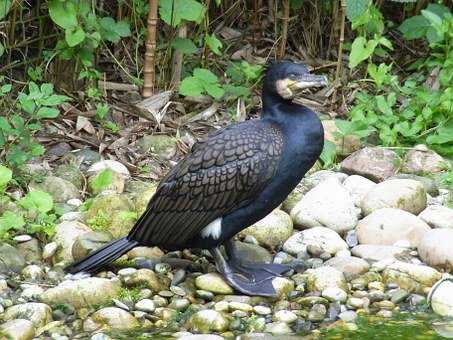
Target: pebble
<point>126,271</point>
<point>120,304</point>
<point>49,250</point>
<point>285,316</point>
<point>317,313</point>
<point>22,238</point>
<point>262,310</point>
<point>399,296</point>
<point>278,328</point>
<point>384,313</point>
<point>204,294</point>
<point>348,316</point>
<point>354,303</point>
<point>240,306</point>
<point>178,290</point>
<point>222,306</point>
<point>146,305</point>
<point>334,294</point>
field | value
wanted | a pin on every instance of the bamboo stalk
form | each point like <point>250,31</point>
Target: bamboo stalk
<point>284,36</point>
<point>178,58</point>
<point>149,73</point>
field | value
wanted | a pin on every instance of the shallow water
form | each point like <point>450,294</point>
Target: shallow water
<point>406,325</point>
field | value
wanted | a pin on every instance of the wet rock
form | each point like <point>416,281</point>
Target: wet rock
<point>83,293</point>
<point>321,278</point>
<point>387,226</point>
<point>142,197</point>
<point>88,242</point>
<point>145,277</point>
<point>334,294</point>
<point>271,231</point>
<point>30,250</point>
<point>110,318</point>
<point>404,194</point>
<point>38,313</point>
<point>207,321</point>
<point>324,238</point>
<point>213,282</point>
<point>18,329</point>
<point>65,235</point>
<point>435,248</point>
<point>350,266</point>
<point>440,298</point>
<point>358,187</point>
<point>410,276</point>
<point>162,145</point>
<point>10,259</point>
<point>345,145</point>
<point>421,160</point>
<point>111,212</point>
<point>374,253</point>
<point>329,205</point>
<point>60,189</point>
<point>438,216</point>
<point>374,163</point>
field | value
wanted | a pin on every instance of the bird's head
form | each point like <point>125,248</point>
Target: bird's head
<point>288,79</point>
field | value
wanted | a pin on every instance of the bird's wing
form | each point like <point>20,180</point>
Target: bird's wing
<point>219,175</point>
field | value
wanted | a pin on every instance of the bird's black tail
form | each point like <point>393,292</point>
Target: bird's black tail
<point>103,256</point>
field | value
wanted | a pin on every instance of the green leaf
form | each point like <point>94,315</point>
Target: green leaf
<point>122,28</point>
<point>47,89</point>
<point>74,36</point>
<point>5,176</point>
<point>54,100</point>
<point>5,6</point>
<point>47,112</point>
<point>433,18</point>
<point>108,32</point>
<point>184,45</point>
<point>2,48</point>
<point>9,220</point>
<point>63,13</point>
<point>361,50</point>
<point>414,27</point>
<point>214,90</point>
<point>37,200</point>
<point>5,126</point>
<point>6,88</point>
<point>356,8</point>
<point>236,91</point>
<point>102,180</point>
<point>174,11</point>
<point>191,86</point>
<point>36,149</point>
<point>26,104</point>
<point>205,75</point>
<point>214,44</point>
<point>328,153</point>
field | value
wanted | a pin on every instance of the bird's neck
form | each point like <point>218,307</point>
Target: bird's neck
<point>276,107</point>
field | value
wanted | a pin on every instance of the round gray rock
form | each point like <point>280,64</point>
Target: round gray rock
<point>438,216</point>
<point>435,248</point>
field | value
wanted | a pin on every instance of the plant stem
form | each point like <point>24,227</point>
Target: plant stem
<point>284,36</point>
<point>149,73</point>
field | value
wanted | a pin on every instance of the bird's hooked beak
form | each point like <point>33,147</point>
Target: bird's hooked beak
<point>306,81</point>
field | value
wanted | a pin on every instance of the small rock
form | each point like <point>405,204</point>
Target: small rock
<point>65,236</point>
<point>10,259</point>
<point>162,145</point>
<point>179,304</point>
<point>374,253</point>
<point>222,306</point>
<point>253,252</point>
<point>410,276</point>
<point>429,184</point>
<point>324,277</point>
<point>345,145</point>
<point>334,294</point>
<point>33,273</point>
<point>418,161</point>
<point>22,238</point>
<point>399,295</point>
<point>30,250</point>
<point>440,297</point>
<point>207,321</point>
<point>60,189</point>
<point>146,305</point>
<point>245,307</point>
<point>39,314</point>
<point>145,277</point>
<point>358,187</point>
<point>387,226</point>
<point>329,205</point>
<point>110,318</point>
<point>49,250</point>
<point>404,194</point>
<point>271,231</point>
<point>348,316</point>
<point>374,163</point>
<point>285,316</point>
<point>89,242</point>
<point>385,313</point>
<point>317,313</point>
<point>324,238</point>
<point>435,248</point>
<point>438,216</point>
<point>153,253</point>
<point>282,286</point>
<point>18,329</point>
<point>278,328</point>
<point>262,310</point>
<point>354,303</point>
<point>109,164</point>
<point>351,266</point>
<point>213,282</point>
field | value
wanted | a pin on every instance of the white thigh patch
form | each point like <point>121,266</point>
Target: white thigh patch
<point>213,229</point>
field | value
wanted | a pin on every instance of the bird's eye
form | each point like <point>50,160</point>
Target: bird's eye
<point>292,76</point>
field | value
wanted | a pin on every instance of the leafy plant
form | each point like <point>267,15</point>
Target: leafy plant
<point>102,180</point>
<point>202,81</point>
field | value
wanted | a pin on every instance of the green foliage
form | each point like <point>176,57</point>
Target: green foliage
<point>202,81</point>
<point>172,12</point>
<point>37,200</point>
<point>102,180</point>
<point>184,45</point>
<point>356,8</point>
<point>213,43</point>
<point>5,6</point>
<point>328,154</point>
<point>5,176</point>
<point>17,128</point>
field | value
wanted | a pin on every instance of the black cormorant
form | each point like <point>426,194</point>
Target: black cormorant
<point>230,180</point>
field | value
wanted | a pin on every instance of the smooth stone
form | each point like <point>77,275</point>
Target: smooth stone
<point>17,329</point>
<point>89,242</point>
<point>163,146</point>
<point>328,205</point>
<point>222,306</point>
<point>146,305</point>
<point>109,164</point>
<point>438,216</point>
<point>283,286</point>
<point>388,225</point>
<point>179,304</point>
<point>435,248</point>
<point>110,318</point>
<point>271,231</point>
<point>30,250</point>
<point>262,310</point>
<point>358,187</point>
<point>65,235</point>
<point>285,316</point>
<point>404,194</point>
<point>10,259</point>
<point>350,266</point>
<point>429,183</point>
<point>153,253</point>
<point>33,273</point>
<point>253,252</point>
<point>245,307</point>
<point>39,314</point>
<point>49,250</point>
<point>83,293</point>
<point>354,303</point>
<point>440,298</point>
<point>374,163</point>
<point>207,321</point>
<point>317,313</point>
<point>412,277</point>
<point>324,238</point>
<point>421,161</point>
<point>374,252</point>
<point>278,328</point>
<point>348,316</point>
<point>334,294</point>
<point>60,189</point>
<point>213,282</point>
<point>22,238</point>
<point>72,173</point>
<point>146,278</point>
<point>399,295</point>
<point>321,278</point>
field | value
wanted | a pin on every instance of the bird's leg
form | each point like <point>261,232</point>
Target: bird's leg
<point>259,270</point>
<point>241,280</point>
